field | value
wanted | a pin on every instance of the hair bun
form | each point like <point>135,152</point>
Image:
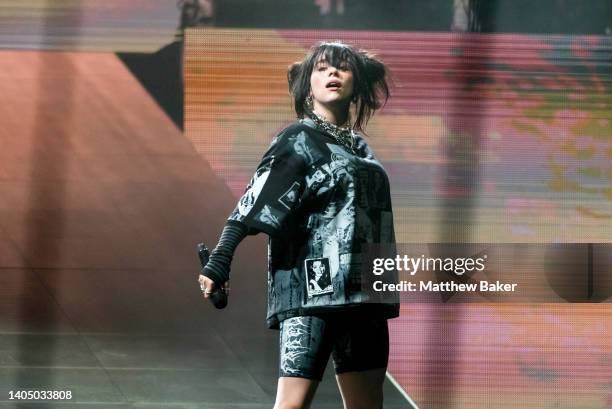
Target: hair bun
<point>376,74</point>
<point>374,68</point>
<point>293,73</point>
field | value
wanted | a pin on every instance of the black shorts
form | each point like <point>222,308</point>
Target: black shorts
<point>356,343</point>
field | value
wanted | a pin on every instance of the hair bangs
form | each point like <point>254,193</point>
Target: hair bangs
<point>334,54</point>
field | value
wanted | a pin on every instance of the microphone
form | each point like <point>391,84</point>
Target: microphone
<point>218,297</point>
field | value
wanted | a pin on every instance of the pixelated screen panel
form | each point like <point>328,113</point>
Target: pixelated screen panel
<point>510,132</point>
<point>502,137</point>
<point>503,356</point>
<point>88,25</point>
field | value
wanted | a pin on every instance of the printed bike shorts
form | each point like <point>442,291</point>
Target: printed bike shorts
<point>356,343</point>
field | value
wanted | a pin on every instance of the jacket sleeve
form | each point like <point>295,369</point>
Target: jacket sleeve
<point>277,186</point>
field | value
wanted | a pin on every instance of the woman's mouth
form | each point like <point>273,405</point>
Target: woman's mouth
<point>333,85</point>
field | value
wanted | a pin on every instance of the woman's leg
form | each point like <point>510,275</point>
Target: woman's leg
<point>361,355</point>
<point>363,389</point>
<point>304,351</point>
<point>295,393</point>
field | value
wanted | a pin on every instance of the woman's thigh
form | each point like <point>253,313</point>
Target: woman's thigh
<point>305,347</point>
<point>363,389</point>
<point>360,343</point>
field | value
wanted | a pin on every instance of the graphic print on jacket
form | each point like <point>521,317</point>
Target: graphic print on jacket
<point>319,203</point>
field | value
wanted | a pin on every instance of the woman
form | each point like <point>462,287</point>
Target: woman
<point>320,195</point>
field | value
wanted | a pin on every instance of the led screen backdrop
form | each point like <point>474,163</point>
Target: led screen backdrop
<point>88,25</point>
<point>493,138</point>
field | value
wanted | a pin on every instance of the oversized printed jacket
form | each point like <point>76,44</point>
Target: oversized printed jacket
<point>319,203</point>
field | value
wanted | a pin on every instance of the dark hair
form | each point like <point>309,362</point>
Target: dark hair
<point>370,89</point>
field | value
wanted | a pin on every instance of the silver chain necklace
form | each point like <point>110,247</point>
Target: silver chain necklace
<point>345,136</point>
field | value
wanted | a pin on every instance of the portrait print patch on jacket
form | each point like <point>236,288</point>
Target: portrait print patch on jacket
<point>318,276</point>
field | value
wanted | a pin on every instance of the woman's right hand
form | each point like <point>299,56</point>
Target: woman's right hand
<point>208,286</point>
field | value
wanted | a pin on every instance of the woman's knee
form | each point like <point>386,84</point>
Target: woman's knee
<point>364,404</point>
<point>289,405</point>
<point>292,403</point>
<point>295,393</point>
<point>371,400</point>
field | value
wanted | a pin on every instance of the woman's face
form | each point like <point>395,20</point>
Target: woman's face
<point>331,85</point>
